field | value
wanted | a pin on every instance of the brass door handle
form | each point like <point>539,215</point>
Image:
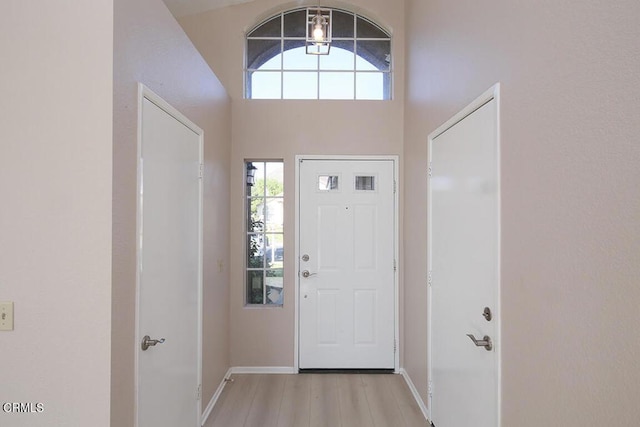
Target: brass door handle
<point>484,342</point>
<point>148,342</point>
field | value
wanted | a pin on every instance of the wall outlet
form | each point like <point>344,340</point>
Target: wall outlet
<point>6,316</point>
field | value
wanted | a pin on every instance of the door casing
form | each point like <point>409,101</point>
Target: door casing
<point>146,93</point>
<point>395,160</point>
<point>492,93</point>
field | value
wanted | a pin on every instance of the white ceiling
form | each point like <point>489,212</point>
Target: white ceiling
<point>181,8</point>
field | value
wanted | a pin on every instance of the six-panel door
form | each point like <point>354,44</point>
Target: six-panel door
<point>347,280</point>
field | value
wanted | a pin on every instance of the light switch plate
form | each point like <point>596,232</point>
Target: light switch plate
<point>6,316</point>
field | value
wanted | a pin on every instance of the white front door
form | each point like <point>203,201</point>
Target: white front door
<point>169,260</point>
<point>464,250</point>
<point>347,267</point>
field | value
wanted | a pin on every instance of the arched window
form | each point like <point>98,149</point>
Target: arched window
<point>358,65</point>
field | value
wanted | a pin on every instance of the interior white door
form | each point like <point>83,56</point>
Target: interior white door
<point>464,263</point>
<point>347,280</point>
<point>169,271</point>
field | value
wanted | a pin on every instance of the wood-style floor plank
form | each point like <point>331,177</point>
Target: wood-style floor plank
<point>236,400</point>
<point>265,406</point>
<point>354,409</point>
<point>325,408</point>
<point>296,402</point>
<point>382,403</point>
<point>316,400</point>
<point>409,408</point>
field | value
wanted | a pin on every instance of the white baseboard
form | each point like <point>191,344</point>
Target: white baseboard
<point>263,370</point>
<point>214,399</point>
<point>416,395</point>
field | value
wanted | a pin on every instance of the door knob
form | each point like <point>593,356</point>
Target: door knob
<point>306,273</point>
<point>148,342</point>
<point>484,342</point>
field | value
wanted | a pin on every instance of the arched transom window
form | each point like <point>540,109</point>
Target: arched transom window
<point>358,65</point>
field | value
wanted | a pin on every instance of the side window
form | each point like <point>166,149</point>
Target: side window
<point>264,232</point>
<point>358,65</point>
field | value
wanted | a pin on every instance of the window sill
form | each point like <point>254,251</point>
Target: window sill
<point>261,306</point>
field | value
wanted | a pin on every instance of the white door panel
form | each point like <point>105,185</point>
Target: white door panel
<point>464,264</point>
<point>347,304</point>
<point>169,270</point>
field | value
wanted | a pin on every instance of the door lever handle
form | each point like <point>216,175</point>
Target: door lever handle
<point>306,274</point>
<point>148,342</point>
<point>484,342</point>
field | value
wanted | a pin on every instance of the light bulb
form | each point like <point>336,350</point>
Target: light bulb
<point>318,34</point>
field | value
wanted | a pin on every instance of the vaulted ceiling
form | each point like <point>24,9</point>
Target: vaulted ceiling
<point>181,8</point>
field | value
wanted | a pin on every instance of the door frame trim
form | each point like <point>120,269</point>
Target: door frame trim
<point>489,95</point>
<point>146,93</point>
<point>396,249</point>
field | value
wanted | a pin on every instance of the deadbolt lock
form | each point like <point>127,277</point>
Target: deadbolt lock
<point>487,314</point>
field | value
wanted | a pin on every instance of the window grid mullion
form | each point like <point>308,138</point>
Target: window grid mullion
<point>373,39</point>
<point>281,56</point>
<point>264,227</point>
<point>355,57</point>
<point>346,70</point>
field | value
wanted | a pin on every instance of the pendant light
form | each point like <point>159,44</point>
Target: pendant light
<point>318,31</point>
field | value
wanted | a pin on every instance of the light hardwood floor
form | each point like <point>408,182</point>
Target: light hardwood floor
<point>313,400</point>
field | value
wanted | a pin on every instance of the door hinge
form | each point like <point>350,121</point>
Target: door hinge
<point>430,169</point>
<point>395,346</point>
<point>395,266</point>
<point>429,279</point>
<point>201,171</point>
<point>430,388</point>
<point>395,186</point>
<point>199,392</point>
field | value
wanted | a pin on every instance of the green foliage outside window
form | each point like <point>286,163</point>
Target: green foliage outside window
<point>265,238</point>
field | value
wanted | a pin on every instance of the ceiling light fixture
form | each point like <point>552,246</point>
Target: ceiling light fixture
<point>318,31</point>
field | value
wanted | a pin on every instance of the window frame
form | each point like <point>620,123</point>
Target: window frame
<point>247,232</point>
<point>387,75</point>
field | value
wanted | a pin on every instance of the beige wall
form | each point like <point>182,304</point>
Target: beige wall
<point>571,238</point>
<point>150,47</point>
<point>265,337</point>
<point>55,214</point>
<point>279,130</point>
<point>570,198</point>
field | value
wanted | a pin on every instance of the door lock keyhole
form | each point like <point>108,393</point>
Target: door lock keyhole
<point>487,314</point>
